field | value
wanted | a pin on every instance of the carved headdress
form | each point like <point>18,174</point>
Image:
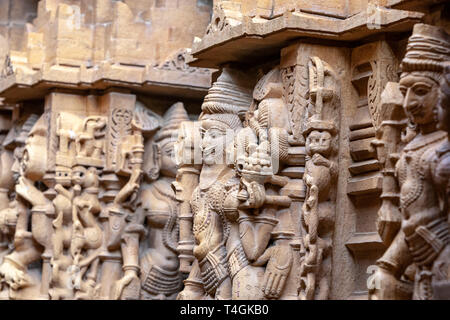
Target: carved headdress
<point>227,100</point>
<point>18,134</point>
<point>427,51</point>
<point>170,124</point>
<point>171,121</point>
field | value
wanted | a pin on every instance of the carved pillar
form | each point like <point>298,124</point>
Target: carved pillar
<point>120,109</point>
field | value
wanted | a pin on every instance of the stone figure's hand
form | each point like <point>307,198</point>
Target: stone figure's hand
<point>382,285</point>
<point>8,217</point>
<point>277,270</point>
<point>255,197</point>
<point>319,160</point>
<point>22,189</point>
<point>26,189</point>
<point>191,293</point>
<point>121,285</point>
<point>127,193</point>
<point>13,276</point>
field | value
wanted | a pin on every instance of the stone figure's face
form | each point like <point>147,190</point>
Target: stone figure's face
<point>34,156</point>
<point>17,166</point>
<point>213,145</point>
<point>420,97</point>
<point>318,142</point>
<point>168,166</point>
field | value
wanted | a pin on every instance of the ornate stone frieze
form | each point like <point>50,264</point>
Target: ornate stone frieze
<point>311,164</point>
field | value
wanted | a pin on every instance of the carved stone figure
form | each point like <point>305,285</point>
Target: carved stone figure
<point>12,207</point>
<point>157,206</point>
<point>125,231</point>
<point>224,149</point>
<point>265,219</point>
<point>30,245</point>
<point>441,173</point>
<point>89,144</point>
<point>218,251</point>
<point>424,236</point>
<point>319,177</point>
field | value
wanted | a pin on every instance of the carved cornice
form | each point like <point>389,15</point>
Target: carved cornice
<point>252,39</point>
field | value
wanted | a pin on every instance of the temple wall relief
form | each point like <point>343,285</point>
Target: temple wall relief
<point>224,150</point>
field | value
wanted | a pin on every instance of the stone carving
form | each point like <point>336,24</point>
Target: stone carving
<point>319,177</point>
<point>424,235</point>
<point>11,156</point>
<point>388,144</point>
<point>249,256</point>
<point>30,245</point>
<point>265,223</point>
<point>177,62</point>
<point>441,173</point>
<point>309,161</point>
<point>226,14</point>
<point>160,276</point>
<point>125,230</point>
<point>219,259</point>
<point>90,143</point>
<point>188,160</point>
<point>6,68</point>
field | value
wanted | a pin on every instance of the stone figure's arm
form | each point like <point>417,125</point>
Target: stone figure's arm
<point>391,266</point>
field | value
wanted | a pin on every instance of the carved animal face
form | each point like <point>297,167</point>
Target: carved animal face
<point>63,177</point>
<point>91,178</point>
<point>78,175</point>
<point>421,97</point>
<point>318,142</point>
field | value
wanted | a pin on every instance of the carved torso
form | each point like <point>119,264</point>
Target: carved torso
<point>207,207</point>
<point>159,263</point>
<point>418,197</point>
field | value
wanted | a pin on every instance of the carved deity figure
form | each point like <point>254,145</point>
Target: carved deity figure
<point>441,173</point>
<point>157,208</point>
<point>265,219</point>
<point>30,246</point>
<point>219,256</point>
<point>11,208</point>
<point>424,237</point>
<point>235,254</point>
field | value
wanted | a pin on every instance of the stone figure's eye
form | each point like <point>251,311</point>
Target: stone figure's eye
<point>403,90</point>
<point>421,89</point>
